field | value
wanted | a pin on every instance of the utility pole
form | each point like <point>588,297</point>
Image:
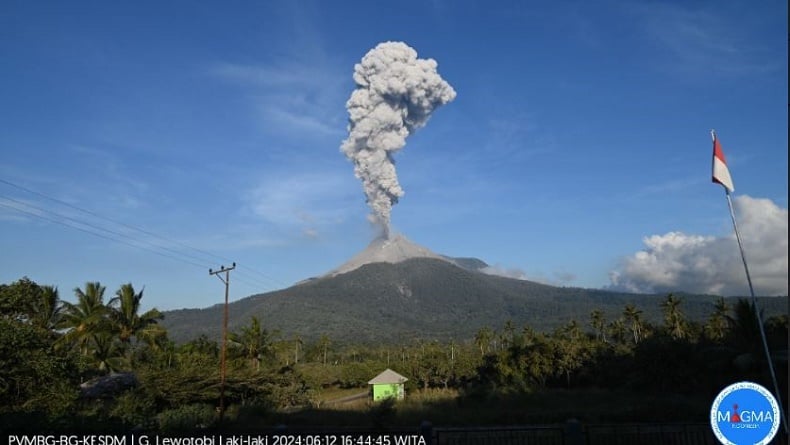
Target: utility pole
<point>222,365</point>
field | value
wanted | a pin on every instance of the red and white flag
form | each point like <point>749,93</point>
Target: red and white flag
<point>721,173</point>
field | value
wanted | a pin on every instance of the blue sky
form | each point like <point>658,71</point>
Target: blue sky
<point>580,130</point>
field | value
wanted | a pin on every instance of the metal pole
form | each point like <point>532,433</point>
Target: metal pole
<point>222,362</point>
<point>757,313</point>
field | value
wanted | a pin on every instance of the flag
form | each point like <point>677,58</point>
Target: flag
<point>721,173</point>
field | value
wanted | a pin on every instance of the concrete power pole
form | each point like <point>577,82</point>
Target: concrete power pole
<point>222,365</point>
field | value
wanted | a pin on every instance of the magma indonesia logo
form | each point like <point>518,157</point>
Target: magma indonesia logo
<point>745,413</point>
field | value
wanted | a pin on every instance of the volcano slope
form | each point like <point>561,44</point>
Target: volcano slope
<point>423,297</point>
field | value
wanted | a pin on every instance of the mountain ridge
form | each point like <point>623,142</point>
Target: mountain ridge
<point>395,249</point>
<point>425,298</point>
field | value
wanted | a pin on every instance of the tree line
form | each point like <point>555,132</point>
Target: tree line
<point>50,347</point>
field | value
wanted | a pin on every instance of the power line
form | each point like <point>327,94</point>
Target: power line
<point>138,229</point>
<point>249,269</point>
<point>93,226</point>
<point>144,231</point>
<point>136,243</point>
<point>36,215</point>
<point>251,282</point>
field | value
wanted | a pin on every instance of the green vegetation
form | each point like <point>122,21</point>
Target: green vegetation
<point>425,298</point>
<point>601,368</point>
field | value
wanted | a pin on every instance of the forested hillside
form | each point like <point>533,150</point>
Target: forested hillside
<point>102,365</point>
<point>422,298</point>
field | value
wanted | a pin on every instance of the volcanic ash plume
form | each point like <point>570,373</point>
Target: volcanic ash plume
<point>396,93</point>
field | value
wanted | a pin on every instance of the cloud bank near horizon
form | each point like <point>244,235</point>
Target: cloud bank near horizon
<point>712,265</point>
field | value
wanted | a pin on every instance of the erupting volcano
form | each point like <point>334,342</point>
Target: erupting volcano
<point>395,95</point>
<point>393,249</point>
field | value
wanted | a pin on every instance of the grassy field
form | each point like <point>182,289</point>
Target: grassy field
<point>329,395</point>
<point>449,408</point>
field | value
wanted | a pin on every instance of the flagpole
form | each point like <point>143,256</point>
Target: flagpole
<point>754,304</point>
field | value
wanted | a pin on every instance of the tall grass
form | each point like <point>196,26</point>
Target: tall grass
<point>450,408</point>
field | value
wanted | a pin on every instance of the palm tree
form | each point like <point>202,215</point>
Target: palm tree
<point>719,323</point>
<point>568,349</point>
<point>154,336</point>
<point>253,340</point>
<point>48,310</point>
<point>107,353</point>
<point>598,324</point>
<point>87,318</point>
<point>125,317</point>
<point>618,330</point>
<point>298,342</point>
<point>674,320</point>
<point>507,334</point>
<point>483,339</point>
<point>745,325</point>
<point>633,318</point>
<point>324,343</point>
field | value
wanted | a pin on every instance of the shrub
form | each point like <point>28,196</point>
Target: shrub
<point>135,409</point>
<point>187,418</point>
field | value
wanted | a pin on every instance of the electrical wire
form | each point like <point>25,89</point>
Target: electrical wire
<point>246,277</point>
<point>36,215</point>
<point>244,280</point>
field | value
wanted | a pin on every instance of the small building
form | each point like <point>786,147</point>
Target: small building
<point>387,384</point>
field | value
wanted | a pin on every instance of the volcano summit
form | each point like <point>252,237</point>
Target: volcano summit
<point>393,250</point>
<point>395,290</point>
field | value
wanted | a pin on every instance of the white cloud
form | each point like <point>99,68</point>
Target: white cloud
<point>565,278</point>
<point>514,137</point>
<point>296,98</point>
<point>296,121</point>
<point>561,278</point>
<point>712,264</point>
<point>310,233</point>
<point>127,191</point>
<point>699,39</point>
<point>266,76</point>
<point>306,201</point>
<point>507,272</point>
<point>238,237</point>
